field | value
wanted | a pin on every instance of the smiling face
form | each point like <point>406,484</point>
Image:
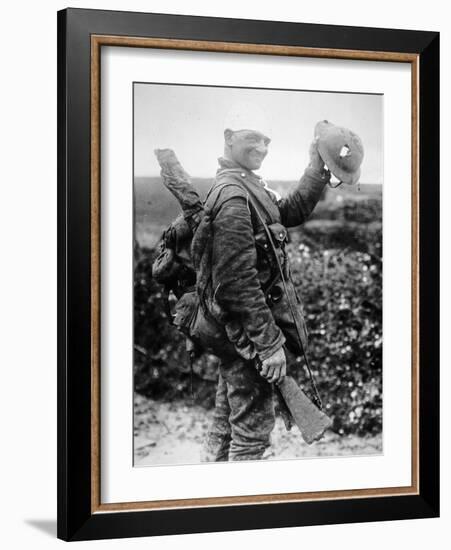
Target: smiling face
<point>246,147</point>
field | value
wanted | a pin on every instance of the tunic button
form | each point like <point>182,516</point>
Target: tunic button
<point>281,235</point>
<point>243,175</point>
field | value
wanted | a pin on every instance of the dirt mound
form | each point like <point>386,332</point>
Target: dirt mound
<point>173,433</point>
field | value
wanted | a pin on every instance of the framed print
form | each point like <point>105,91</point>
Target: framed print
<point>248,274</point>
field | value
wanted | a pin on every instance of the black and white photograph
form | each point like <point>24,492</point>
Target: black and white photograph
<point>257,274</point>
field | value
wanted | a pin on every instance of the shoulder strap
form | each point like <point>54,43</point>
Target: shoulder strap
<point>258,204</point>
<point>256,200</point>
<point>218,188</point>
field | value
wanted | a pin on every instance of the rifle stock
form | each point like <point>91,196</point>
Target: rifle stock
<point>311,421</point>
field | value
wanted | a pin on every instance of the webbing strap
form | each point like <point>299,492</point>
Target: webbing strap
<point>241,183</point>
<point>219,189</point>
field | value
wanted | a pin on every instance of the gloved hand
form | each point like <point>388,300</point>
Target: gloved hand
<point>274,368</point>
<point>316,162</point>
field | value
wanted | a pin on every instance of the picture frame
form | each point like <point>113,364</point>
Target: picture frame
<point>81,36</point>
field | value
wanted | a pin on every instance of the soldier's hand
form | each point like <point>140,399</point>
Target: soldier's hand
<point>274,368</point>
<point>316,161</point>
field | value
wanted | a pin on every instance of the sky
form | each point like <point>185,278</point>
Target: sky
<point>191,121</point>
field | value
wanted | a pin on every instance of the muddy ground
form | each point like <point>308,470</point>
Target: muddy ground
<point>172,433</point>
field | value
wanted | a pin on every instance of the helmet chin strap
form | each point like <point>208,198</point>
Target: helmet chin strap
<point>335,186</point>
<point>326,168</point>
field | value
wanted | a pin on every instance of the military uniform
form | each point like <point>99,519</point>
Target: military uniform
<point>238,294</point>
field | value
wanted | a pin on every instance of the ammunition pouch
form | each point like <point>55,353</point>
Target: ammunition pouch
<point>278,233</point>
<point>268,271</point>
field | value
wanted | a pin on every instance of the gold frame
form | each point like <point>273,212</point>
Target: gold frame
<point>97,41</point>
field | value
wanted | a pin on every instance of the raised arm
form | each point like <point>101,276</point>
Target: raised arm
<point>297,207</point>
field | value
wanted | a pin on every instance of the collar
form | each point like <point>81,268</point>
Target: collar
<point>227,164</point>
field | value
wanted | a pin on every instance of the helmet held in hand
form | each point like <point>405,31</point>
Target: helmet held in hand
<point>341,150</point>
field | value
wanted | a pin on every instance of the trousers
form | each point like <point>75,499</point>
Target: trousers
<point>244,414</point>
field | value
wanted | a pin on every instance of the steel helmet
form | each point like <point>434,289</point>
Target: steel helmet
<point>341,150</point>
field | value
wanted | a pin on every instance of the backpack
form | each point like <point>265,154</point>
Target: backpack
<point>183,267</point>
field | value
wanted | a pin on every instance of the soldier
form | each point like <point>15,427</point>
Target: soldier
<point>243,290</point>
